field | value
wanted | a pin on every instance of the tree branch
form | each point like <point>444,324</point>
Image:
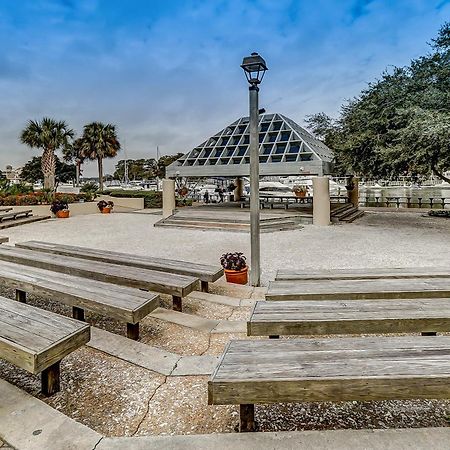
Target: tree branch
<point>440,174</point>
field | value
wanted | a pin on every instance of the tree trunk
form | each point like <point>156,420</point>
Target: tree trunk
<point>48,166</point>
<point>440,175</point>
<point>77,173</point>
<point>100,173</point>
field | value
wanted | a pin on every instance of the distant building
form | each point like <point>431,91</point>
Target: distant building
<point>13,175</point>
<point>285,148</point>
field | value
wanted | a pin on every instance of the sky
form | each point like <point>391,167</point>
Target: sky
<point>167,73</point>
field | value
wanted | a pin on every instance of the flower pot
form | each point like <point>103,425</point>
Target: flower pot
<point>237,276</point>
<point>301,194</point>
<point>106,210</point>
<point>64,214</point>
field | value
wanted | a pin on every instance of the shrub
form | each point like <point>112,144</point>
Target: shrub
<point>58,205</point>
<point>233,261</point>
<point>102,204</point>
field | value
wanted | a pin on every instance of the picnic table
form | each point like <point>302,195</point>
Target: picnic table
<point>37,340</point>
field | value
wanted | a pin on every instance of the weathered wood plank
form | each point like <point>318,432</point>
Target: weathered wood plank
<point>172,284</point>
<point>363,273</point>
<point>359,289</point>
<point>206,273</point>
<point>312,317</point>
<point>340,369</point>
<point>118,302</point>
<point>34,339</point>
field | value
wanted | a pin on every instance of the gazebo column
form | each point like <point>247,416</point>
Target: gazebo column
<point>353,194</point>
<point>239,191</point>
<point>321,201</point>
<point>168,197</point>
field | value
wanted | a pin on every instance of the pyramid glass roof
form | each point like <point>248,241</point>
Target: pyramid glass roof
<point>285,148</point>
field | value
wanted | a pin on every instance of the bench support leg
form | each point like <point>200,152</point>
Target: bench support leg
<point>78,313</point>
<point>50,379</point>
<point>274,336</point>
<point>204,286</point>
<point>247,418</point>
<point>177,303</point>
<point>133,331</point>
<point>21,296</point>
<point>429,333</point>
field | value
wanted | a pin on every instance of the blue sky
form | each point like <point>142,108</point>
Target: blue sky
<point>167,72</point>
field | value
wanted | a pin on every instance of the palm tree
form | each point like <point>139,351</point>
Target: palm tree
<point>73,153</point>
<point>99,141</point>
<point>48,135</point>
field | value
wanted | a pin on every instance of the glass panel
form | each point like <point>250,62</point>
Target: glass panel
<point>294,148</point>
<point>218,152</point>
<point>276,158</point>
<point>263,159</point>
<point>291,158</point>
<point>241,151</point>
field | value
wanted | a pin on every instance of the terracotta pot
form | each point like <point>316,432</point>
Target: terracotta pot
<point>301,194</point>
<point>64,214</point>
<point>237,276</point>
<point>106,210</point>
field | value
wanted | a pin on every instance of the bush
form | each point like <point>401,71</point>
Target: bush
<point>58,205</point>
<point>39,198</point>
<point>152,199</point>
<point>90,190</point>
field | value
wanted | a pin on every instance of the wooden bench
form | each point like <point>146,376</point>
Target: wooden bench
<point>361,274</point>
<point>117,302</point>
<point>359,289</point>
<point>316,317</point>
<point>176,285</point>
<point>5,209</point>
<point>15,214</point>
<point>37,340</point>
<point>205,273</point>
<point>336,370</point>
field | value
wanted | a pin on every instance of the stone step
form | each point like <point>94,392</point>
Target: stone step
<point>352,217</point>
<point>16,222</point>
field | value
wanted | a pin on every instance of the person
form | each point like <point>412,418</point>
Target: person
<point>206,197</point>
<point>220,195</point>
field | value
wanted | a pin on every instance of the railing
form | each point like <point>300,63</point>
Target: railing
<point>407,202</point>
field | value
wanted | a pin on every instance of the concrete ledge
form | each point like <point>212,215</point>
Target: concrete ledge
<point>393,439</point>
<point>28,423</point>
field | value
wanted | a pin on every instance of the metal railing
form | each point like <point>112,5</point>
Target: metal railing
<point>406,202</point>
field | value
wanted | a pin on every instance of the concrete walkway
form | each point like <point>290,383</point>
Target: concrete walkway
<point>27,423</point>
<point>151,358</point>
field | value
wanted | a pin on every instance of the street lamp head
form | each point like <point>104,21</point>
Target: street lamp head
<point>254,68</point>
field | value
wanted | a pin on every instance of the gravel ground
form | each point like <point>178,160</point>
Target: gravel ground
<point>376,240</point>
<point>117,398</point>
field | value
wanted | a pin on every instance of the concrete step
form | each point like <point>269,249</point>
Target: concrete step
<point>15,223</point>
<point>352,217</point>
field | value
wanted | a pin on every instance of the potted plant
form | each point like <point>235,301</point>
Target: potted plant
<point>299,191</point>
<point>105,207</point>
<point>235,267</point>
<point>60,209</point>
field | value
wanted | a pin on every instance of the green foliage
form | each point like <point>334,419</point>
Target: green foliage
<point>99,141</point>
<point>32,171</point>
<point>398,124</point>
<point>39,198</point>
<point>152,199</point>
<point>138,169</point>
<point>90,190</point>
<point>8,188</point>
<point>48,135</point>
<point>165,161</point>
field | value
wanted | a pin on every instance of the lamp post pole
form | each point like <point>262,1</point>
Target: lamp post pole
<point>255,273</point>
<point>254,68</point>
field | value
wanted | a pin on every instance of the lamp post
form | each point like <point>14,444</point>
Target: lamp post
<point>254,68</point>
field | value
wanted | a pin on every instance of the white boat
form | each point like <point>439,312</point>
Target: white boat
<point>271,189</point>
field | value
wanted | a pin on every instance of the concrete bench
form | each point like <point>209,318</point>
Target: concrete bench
<point>361,274</point>
<point>177,286</point>
<point>117,302</point>
<point>359,289</point>
<point>204,272</point>
<point>15,214</point>
<point>37,340</point>
<point>324,370</point>
<point>317,317</point>
<point>5,209</point>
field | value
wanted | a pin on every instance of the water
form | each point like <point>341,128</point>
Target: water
<point>367,196</point>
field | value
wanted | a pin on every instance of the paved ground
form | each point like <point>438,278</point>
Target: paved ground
<point>387,239</point>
